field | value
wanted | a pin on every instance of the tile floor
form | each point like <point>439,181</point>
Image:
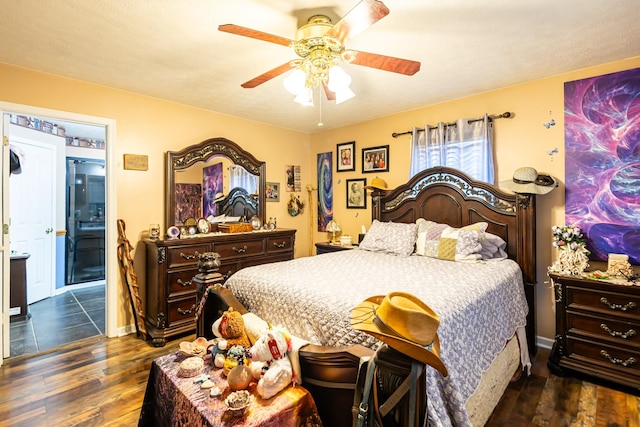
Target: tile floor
<point>59,320</point>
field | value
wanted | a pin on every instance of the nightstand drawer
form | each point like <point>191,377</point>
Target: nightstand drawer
<point>605,328</point>
<point>610,303</point>
<point>240,249</point>
<point>607,356</point>
<point>185,255</point>
<point>181,282</point>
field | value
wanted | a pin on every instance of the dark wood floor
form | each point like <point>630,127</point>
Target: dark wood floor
<point>101,382</point>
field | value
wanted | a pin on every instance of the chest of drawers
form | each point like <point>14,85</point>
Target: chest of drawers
<point>172,265</point>
<point>597,330</point>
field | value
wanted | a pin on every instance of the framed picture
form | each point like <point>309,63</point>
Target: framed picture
<point>272,192</point>
<point>356,193</point>
<point>375,159</point>
<point>346,156</point>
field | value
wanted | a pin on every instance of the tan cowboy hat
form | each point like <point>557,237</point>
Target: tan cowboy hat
<point>403,322</point>
<point>527,180</point>
<point>377,184</point>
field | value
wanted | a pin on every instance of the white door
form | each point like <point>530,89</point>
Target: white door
<point>4,239</point>
<point>32,193</point>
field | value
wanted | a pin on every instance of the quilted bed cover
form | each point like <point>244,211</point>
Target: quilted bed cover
<point>481,305</point>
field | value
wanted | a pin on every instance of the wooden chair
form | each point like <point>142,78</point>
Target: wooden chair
<point>335,378</point>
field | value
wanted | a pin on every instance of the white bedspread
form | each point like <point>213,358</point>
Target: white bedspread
<point>480,306</point>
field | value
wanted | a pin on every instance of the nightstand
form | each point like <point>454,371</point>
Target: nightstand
<point>597,325</point>
<point>326,247</point>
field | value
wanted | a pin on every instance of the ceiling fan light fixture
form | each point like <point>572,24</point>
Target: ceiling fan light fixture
<point>294,83</point>
<point>305,97</point>
<point>338,79</point>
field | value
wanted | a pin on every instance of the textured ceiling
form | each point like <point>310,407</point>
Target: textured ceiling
<point>173,50</point>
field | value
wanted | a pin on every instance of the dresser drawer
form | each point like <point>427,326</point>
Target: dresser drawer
<point>604,328</point>
<point>599,301</point>
<point>279,244</point>
<point>181,282</point>
<point>185,255</point>
<point>620,359</point>
<point>244,248</point>
<point>181,311</point>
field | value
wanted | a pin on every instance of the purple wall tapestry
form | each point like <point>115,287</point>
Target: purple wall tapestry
<point>325,190</point>
<point>211,185</point>
<point>602,162</point>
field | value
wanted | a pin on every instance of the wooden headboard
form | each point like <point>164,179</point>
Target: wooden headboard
<point>238,203</point>
<point>446,195</point>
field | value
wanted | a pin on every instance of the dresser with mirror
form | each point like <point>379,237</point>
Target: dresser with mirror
<point>236,195</point>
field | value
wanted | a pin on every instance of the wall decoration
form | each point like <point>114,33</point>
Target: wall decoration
<point>273,192</point>
<point>375,159</point>
<point>136,162</point>
<point>188,202</point>
<point>325,190</point>
<point>356,193</point>
<point>211,186</point>
<point>295,206</point>
<point>293,178</point>
<point>346,156</point>
<point>602,166</point>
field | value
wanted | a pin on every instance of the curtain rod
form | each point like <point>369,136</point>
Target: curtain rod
<point>505,115</point>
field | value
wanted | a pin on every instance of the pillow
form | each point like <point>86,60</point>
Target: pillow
<point>445,242</point>
<point>390,237</point>
<point>493,247</point>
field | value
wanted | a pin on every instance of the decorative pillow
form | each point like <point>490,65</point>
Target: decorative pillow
<point>445,242</point>
<point>390,237</point>
<point>428,231</point>
<point>493,247</point>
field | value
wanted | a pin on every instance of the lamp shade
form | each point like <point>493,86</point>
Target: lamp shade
<point>294,82</point>
<point>333,226</point>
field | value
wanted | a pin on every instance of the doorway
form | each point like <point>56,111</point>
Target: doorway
<point>89,296</point>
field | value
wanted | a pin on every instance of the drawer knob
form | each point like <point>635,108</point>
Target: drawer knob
<point>240,250</point>
<point>626,335</point>
<point>630,361</point>
<point>627,306</point>
<point>187,256</point>
<point>280,245</point>
<point>185,312</point>
<point>185,284</point>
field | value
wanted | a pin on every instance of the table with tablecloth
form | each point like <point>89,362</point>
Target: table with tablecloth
<point>171,400</point>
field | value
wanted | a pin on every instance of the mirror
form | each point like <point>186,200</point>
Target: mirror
<point>199,181</point>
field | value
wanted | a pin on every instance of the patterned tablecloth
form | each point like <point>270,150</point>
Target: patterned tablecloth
<point>171,400</point>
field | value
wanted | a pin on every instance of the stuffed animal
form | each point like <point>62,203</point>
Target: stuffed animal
<point>270,363</point>
<point>231,327</point>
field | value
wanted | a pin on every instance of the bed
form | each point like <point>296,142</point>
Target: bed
<point>485,307</point>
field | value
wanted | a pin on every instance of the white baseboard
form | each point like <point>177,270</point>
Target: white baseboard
<point>126,330</point>
<point>543,342</point>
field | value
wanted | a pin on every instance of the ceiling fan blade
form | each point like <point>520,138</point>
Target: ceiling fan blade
<point>330,95</point>
<point>361,17</point>
<point>254,34</point>
<point>382,62</point>
<point>267,76</point>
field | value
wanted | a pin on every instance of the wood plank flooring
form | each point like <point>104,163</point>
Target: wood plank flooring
<point>101,382</point>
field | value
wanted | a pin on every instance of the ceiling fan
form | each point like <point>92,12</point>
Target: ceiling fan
<point>320,46</point>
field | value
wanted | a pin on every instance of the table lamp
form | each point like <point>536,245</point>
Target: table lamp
<point>333,227</point>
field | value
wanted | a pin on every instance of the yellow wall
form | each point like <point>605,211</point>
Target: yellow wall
<point>150,126</point>
<point>520,141</point>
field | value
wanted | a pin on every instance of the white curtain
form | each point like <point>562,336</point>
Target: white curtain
<point>239,177</point>
<point>466,144</point>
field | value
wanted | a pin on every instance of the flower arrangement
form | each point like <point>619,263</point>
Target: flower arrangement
<point>568,237</point>
<point>573,257</point>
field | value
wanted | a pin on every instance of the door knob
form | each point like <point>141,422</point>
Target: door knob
<point>48,230</point>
